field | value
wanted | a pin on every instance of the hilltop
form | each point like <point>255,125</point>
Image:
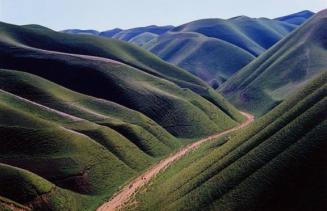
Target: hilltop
<point>297,18</point>
<point>281,70</point>
<point>212,49</point>
<point>83,114</point>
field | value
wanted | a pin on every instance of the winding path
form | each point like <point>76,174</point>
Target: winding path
<point>124,195</point>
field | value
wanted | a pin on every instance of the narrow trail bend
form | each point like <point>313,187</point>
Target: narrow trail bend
<point>125,194</point>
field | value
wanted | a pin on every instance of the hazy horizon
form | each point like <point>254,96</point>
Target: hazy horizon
<point>103,15</point>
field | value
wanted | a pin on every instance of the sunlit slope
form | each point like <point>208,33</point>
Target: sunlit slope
<point>81,115</point>
<point>211,59</point>
<point>67,158</point>
<point>129,123</point>
<point>43,38</point>
<point>211,49</point>
<point>46,39</point>
<point>281,70</point>
<point>80,143</point>
<point>276,163</point>
<point>186,112</point>
<point>214,49</point>
<point>78,126</point>
<point>251,34</point>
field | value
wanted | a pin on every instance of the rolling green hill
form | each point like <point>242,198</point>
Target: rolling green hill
<point>281,70</point>
<point>214,49</point>
<point>89,146</point>
<point>201,55</point>
<point>35,38</point>
<point>43,38</point>
<point>82,115</point>
<point>276,163</point>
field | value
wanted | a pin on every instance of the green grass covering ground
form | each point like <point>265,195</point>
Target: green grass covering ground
<point>24,186</point>
<point>131,87</point>
<point>201,55</point>
<point>214,49</point>
<point>66,158</point>
<point>281,70</point>
<point>276,163</point>
<point>74,128</point>
<point>86,151</point>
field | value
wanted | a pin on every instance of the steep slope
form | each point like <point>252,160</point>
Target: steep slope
<point>297,18</point>
<point>128,86</point>
<point>108,48</point>
<point>281,70</point>
<point>81,115</point>
<point>46,39</point>
<point>228,45</point>
<point>251,34</point>
<point>92,145</point>
<point>199,54</point>
<point>214,49</point>
<point>277,163</point>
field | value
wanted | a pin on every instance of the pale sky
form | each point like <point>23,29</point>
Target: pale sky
<point>108,14</point>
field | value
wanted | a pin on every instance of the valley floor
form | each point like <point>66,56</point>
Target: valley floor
<point>122,197</point>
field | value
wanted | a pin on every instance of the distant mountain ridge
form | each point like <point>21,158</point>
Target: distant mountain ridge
<point>122,34</point>
<point>281,70</point>
<point>297,18</point>
<point>213,49</point>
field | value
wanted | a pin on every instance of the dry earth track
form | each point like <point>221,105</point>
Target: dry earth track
<point>125,194</point>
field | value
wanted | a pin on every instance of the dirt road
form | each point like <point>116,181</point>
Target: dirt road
<point>124,195</point>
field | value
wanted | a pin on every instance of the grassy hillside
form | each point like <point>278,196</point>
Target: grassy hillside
<point>281,70</point>
<point>42,38</point>
<point>251,34</point>
<point>276,163</point>
<point>214,49</point>
<point>129,86</point>
<point>82,115</point>
<point>92,145</point>
<point>36,38</point>
<point>201,55</point>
